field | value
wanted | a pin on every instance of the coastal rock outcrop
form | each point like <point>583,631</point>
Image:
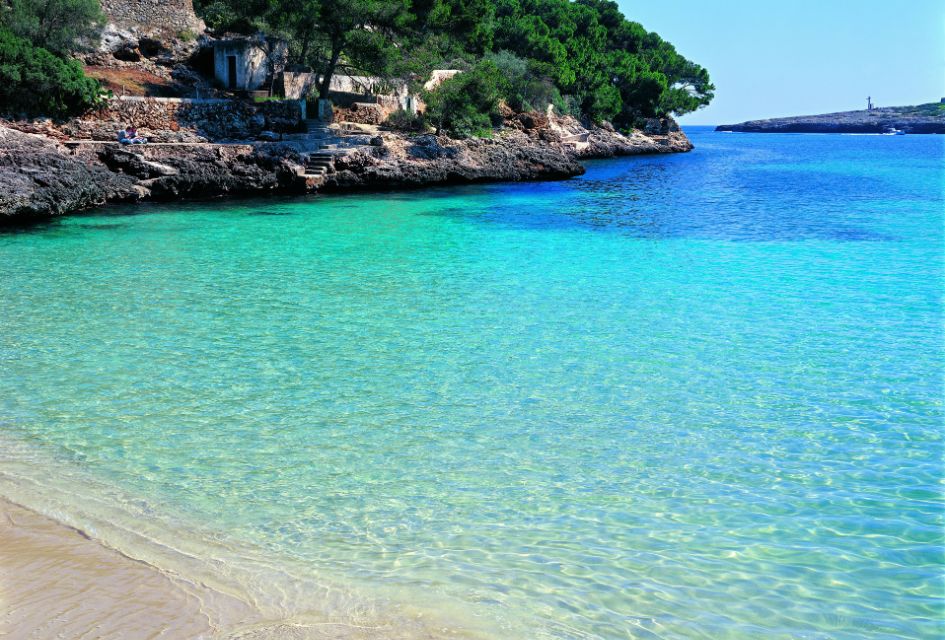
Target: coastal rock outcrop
<point>608,144</point>
<point>532,146</point>
<point>46,174</point>
<point>926,118</point>
<point>427,159</point>
<point>204,171</point>
<point>601,141</point>
<point>38,179</point>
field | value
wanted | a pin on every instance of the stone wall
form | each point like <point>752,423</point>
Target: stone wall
<point>167,16</point>
<point>184,120</point>
<point>296,85</point>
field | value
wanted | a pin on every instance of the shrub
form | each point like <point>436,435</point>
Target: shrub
<point>468,103</point>
<point>402,120</point>
<point>525,89</point>
<point>34,82</point>
<point>59,26</point>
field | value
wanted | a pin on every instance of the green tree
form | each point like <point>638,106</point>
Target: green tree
<point>468,25</point>
<point>35,82</point>
<point>584,56</point>
<point>468,103</point>
<point>362,34</point>
<point>526,89</point>
<point>237,16</point>
<point>59,26</point>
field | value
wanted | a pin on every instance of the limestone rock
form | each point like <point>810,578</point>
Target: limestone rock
<point>427,159</point>
<point>38,178</point>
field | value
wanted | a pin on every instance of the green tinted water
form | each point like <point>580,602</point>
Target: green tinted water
<point>685,397</point>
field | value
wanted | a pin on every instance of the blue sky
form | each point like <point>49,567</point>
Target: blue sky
<point>798,57</point>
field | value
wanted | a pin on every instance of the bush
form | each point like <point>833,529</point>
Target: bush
<point>34,82</point>
<point>468,103</point>
<point>402,120</point>
<point>525,89</point>
<point>59,26</point>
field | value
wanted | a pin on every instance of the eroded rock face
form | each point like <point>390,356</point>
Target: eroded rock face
<point>602,143</point>
<point>532,147</point>
<point>205,171</point>
<point>427,159</point>
<point>38,179</point>
<point>41,177</point>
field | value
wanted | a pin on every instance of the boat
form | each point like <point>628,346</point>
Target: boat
<point>893,131</point>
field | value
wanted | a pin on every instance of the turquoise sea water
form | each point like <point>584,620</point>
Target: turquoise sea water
<point>696,396</point>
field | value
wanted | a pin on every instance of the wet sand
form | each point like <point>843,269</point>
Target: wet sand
<point>57,583</point>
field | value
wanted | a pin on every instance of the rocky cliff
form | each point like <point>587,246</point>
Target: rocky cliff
<point>40,177</point>
<point>43,177</point>
<point>926,118</point>
<point>415,161</point>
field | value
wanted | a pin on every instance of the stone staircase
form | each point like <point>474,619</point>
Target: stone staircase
<point>319,146</point>
<point>318,164</point>
<point>578,142</point>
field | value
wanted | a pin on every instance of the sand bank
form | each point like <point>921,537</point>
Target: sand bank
<point>57,583</point>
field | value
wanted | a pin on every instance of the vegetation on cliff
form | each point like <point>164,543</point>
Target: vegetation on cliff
<point>37,74</point>
<point>583,56</point>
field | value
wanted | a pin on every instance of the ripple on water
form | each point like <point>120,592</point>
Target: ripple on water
<point>684,397</point>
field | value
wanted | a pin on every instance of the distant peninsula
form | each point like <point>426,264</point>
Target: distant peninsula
<point>923,118</point>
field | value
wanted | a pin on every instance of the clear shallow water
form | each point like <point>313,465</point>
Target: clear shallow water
<point>684,397</point>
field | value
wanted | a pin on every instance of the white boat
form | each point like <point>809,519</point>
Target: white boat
<point>893,131</point>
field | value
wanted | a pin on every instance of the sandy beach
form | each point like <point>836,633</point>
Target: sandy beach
<point>57,583</point>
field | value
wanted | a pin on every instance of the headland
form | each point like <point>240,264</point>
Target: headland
<point>924,118</point>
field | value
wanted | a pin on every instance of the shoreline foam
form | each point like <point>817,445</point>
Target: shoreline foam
<point>57,582</point>
<point>60,543</point>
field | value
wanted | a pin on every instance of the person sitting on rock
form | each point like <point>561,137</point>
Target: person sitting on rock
<point>130,136</point>
<point>135,138</point>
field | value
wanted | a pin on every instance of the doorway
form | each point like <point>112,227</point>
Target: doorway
<point>231,72</point>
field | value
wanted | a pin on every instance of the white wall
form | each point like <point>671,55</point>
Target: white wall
<point>251,65</point>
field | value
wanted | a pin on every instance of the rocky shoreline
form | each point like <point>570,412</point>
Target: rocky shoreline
<point>41,177</point>
<point>926,118</point>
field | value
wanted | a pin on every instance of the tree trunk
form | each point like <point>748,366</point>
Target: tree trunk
<point>325,87</point>
<point>306,34</point>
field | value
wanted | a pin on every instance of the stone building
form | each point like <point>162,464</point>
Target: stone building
<point>146,16</point>
<point>248,63</point>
